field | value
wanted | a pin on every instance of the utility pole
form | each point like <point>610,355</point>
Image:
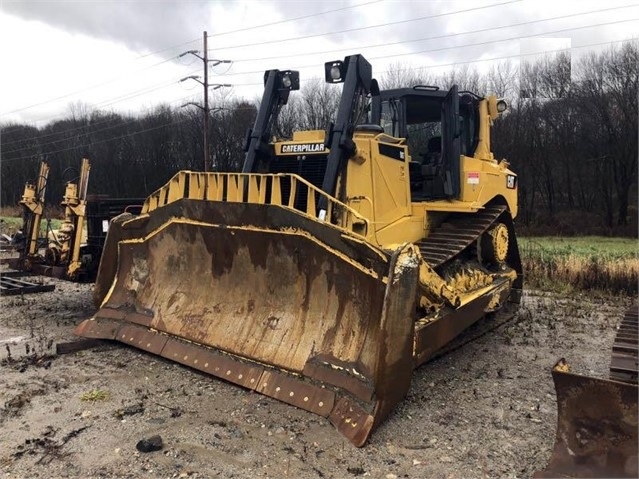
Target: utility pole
<point>206,104</point>
<point>205,59</point>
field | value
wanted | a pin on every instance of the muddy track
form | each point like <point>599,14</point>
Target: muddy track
<point>485,409</point>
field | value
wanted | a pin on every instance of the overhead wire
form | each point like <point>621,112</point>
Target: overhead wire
<point>255,27</point>
<point>464,62</point>
<point>87,88</point>
<point>89,126</point>
<point>563,30</point>
<point>241,30</point>
<point>447,36</point>
<point>407,69</point>
<point>150,89</point>
<point>66,95</point>
<point>108,102</point>
<point>422,68</point>
<point>507,57</point>
<point>302,17</point>
<point>437,37</point>
<point>368,27</point>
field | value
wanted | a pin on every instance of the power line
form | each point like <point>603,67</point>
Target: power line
<point>175,57</point>
<point>506,57</point>
<point>452,35</point>
<point>89,126</point>
<point>465,62</point>
<point>325,34</point>
<point>437,37</point>
<point>463,45</point>
<point>315,78</point>
<point>205,60</point>
<point>260,43</point>
<point>509,39</point>
<point>418,68</point>
<point>88,88</point>
<point>118,99</point>
<point>302,17</point>
<point>406,69</point>
<point>173,47</point>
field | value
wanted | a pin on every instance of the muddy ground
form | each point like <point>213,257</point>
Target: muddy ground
<point>484,410</point>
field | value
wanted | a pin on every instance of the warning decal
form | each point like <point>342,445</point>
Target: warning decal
<point>472,177</point>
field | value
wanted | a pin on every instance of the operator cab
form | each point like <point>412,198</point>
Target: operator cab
<point>439,126</point>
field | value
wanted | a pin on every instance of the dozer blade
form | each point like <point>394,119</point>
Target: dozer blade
<point>596,428</point>
<point>597,418</point>
<point>268,299</point>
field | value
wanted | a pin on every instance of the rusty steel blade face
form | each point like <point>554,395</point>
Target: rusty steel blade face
<point>596,428</point>
<point>277,298</point>
<point>269,300</point>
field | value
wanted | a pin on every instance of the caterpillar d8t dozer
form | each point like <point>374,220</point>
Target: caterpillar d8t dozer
<point>335,263</point>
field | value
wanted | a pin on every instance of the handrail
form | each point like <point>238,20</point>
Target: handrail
<point>257,189</point>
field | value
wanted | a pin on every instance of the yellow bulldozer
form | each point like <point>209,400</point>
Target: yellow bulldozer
<point>336,262</point>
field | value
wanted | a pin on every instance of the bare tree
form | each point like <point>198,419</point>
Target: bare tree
<point>502,79</point>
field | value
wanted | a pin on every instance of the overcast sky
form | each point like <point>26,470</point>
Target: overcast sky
<point>123,55</point>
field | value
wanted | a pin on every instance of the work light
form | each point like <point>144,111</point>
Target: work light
<point>334,72</point>
<point>289,80</point>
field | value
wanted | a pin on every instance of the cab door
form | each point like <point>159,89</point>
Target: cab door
<point>451,146</point>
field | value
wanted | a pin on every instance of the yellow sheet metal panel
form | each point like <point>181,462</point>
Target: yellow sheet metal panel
<point>309,135</point>
<point>253,189</point>
<point>176,187</point>
<point>276,191</point>
<point>390,184</point>
<point>483,180</point>
<point>197,183</point>
<point>359,187</point>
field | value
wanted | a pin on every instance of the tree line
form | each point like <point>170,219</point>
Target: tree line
<point>570,133</point>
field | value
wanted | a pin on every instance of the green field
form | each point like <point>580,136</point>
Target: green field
<point>581,263</point>
<point>583,246</point>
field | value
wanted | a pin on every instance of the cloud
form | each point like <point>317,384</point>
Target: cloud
<point>85,43</point>
<point>141,26</point>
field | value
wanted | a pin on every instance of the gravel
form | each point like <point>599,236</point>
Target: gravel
<point>484,410</point>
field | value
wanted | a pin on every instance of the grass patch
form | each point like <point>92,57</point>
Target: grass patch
<point>95,395</point>
<point>10,225</point>
<point>604,264</point>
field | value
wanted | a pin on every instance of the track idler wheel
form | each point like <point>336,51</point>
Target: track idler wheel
<point>493,244</point>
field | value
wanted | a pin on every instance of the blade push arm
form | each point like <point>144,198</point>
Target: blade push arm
<point>356,74</point>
